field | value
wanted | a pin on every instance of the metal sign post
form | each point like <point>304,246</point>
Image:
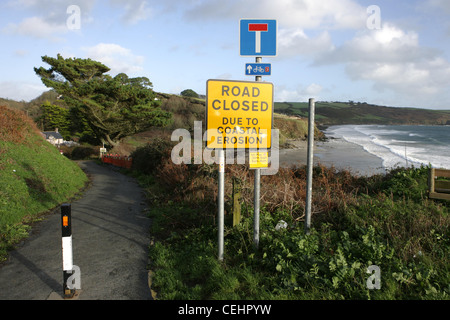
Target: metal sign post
<point>257,185</point>
<point>309,165</point>
<point>220,205</point>
<point>258,38</point>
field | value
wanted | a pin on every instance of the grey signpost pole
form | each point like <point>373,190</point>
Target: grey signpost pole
<point>309,165</point>
<point>250,31</point>
<point>257,184</point>
<point>220,197</point>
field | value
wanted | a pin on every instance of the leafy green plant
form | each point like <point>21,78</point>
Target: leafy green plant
<point>146,159</point>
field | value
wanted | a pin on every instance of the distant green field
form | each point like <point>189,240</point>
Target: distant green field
<point>329,113</point>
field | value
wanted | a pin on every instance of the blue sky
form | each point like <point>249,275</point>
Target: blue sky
<point>326,49</point>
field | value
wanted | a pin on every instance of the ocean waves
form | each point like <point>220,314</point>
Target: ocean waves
<point>399,146</point>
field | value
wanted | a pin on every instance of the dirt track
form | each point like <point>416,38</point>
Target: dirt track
<point>110,240</point>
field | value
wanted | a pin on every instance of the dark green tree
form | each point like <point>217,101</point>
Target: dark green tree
<point>114,107</point>
<point>55,117</point>
<point>189,93</point>
<point>79,127</point>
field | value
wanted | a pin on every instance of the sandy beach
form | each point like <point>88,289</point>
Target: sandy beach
<point>333,152</point>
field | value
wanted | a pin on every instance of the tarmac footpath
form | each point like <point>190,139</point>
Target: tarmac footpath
<point>110,238</point>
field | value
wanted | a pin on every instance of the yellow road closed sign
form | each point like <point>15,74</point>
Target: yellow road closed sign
<point>239,114</point>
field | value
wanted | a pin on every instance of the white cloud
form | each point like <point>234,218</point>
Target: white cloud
<point>303,14</point>
<point>313,14</point>
<point>52,10</point>
<point>117,58</point>
<point>36,27</point>
<point>294,42</point>
<point>301,93</point>
<point>442,5</point>
<point>49,19</point>
<point>389,44</point>
<point>393,59</point>
<point>304,26</point>
<point>135,10</point>
<point>21,90</point>
<point>224,76</point>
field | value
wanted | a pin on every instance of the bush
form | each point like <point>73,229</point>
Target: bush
<point>410,182</point>
<point>148,158</point>
<point>83,152</point>
<point>189,93</point>
<point>15,125</point>
<point>185,111</point>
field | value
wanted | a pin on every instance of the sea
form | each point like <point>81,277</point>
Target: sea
<point>399,145</point>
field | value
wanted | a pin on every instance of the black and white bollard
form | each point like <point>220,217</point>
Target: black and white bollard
<point>67,255</point>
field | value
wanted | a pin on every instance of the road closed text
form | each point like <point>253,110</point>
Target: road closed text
<point>243,105</point>
<point>236,105</point>
<point>239,114</point>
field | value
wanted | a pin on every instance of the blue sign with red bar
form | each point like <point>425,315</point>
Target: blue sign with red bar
<point>258,37</point>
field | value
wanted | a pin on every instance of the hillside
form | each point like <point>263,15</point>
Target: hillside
<point>33,107</point>
<point>327,113</point>
<point>186,110</point>
<point>335,113</point>
<point>34,176</point>
<point>291,118</point>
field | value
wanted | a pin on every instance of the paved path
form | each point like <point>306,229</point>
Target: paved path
<point>110,243</point>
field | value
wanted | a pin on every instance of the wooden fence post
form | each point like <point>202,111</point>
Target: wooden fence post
<point>431,180</point>
<point>237,188</point>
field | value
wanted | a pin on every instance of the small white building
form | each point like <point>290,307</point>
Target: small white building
<point>54,137</point>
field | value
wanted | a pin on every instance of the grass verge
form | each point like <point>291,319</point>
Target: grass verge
<point>34,178</point>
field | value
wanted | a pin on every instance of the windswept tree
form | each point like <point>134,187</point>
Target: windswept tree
<point>114,107</point>
<point>54,116</point>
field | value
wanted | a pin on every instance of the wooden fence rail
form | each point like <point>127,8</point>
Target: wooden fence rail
<point>439,189</point>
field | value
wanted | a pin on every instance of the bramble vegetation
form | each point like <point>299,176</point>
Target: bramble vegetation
<point>383,220</point>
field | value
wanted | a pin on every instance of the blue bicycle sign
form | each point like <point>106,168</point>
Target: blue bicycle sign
<point>258,69</point>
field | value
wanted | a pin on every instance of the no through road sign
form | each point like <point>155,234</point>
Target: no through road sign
<point>258,37</point>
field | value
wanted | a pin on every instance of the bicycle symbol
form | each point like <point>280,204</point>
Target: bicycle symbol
<point>258,69</point>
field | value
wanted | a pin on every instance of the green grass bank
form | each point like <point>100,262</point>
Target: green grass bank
<point>34,177</point>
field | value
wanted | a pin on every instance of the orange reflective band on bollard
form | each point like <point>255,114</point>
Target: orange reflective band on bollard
<point>65,221</point>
